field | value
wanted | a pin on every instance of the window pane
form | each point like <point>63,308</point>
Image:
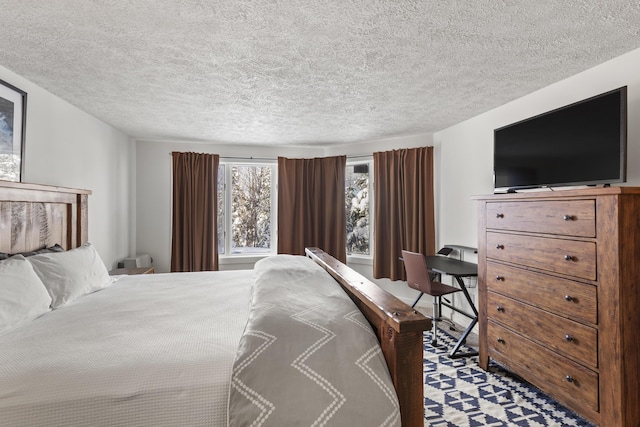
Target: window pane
<point>251,209</point>
<point>357,207</point>
<point>221,185</point>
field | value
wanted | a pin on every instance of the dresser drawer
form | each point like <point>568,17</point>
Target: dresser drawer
<point>557,333</point>
<point>574,258</point>
<point>565,297</point>
<point>554,374</point>
<point>565,217</point>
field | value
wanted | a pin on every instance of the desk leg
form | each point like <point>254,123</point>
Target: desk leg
<point>463,337</point>
<point>436,277</point>
<point>474,320</point>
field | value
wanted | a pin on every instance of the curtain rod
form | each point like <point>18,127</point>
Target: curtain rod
<point>243,158</point>
<point>275,158</point>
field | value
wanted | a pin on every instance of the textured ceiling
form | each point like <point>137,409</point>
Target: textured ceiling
<point>304,71</point>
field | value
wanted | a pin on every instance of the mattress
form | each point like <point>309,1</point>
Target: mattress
<point>150,350</point>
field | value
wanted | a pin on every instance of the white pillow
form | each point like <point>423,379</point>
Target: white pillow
<point>22,295</point>
<point>68,275</point>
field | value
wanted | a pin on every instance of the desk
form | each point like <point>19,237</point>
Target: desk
<point>459,270</point>
<point>461,250</point>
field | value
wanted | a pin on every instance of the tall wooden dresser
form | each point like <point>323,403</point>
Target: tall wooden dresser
<point>559,295</point>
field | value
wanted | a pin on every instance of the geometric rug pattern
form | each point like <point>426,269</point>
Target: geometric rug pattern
<point>458,393</point>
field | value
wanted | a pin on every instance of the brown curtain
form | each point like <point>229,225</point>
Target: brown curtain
<point>194,244</point>
<point>403,211</point>
<point>311,210</point>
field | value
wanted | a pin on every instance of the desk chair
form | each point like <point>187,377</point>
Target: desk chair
<point>418,277</point>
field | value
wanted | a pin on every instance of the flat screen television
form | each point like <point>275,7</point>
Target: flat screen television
<point>581,143</point>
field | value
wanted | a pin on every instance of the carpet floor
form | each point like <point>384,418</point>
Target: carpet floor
<point>458,393</point>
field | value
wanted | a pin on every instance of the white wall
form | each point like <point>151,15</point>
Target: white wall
<point>67,147</point>
<point>467,148</point>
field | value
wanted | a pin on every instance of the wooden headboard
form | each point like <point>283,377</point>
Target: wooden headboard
<point>33,216</point>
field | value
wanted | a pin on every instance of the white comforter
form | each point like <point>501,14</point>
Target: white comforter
<point>151,350</point>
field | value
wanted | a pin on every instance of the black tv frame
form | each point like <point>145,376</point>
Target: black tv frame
<point>622,176</point>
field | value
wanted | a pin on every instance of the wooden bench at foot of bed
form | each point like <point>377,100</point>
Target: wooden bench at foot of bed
<point>399,329</point>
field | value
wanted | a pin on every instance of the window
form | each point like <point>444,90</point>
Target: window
<point>357,201</point>
<point>247,200</point>
<point>245,214</point>
<point>221,202</point>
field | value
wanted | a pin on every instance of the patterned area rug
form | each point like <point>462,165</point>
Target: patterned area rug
<point>459,393</point>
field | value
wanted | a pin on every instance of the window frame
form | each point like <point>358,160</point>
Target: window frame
<point>369,161</point>
<point>228,217</point>
<point>227,200</point>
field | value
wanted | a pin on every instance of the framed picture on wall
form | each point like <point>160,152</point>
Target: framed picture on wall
<point>13,115</point>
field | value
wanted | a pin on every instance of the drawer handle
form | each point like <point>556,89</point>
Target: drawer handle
<point>499,215</point>
<point>500,340</point>
<point>568,217</point>
<point>569,257</point>
<point>568,298</point>
<point>569,378</point>
<point>500,308</point>
<point>499,246</point>
<point>568,337</point>
<point>500,278</point>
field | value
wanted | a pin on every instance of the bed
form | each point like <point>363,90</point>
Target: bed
<point>189,349</point>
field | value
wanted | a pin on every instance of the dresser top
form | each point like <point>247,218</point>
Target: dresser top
<point>547,193</point>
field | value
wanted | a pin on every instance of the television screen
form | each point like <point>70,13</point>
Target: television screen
<point>582,143</point>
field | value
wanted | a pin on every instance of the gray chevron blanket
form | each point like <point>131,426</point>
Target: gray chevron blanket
<point>308,357</point>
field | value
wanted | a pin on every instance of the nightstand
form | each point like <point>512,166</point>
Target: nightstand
<point>131,271</point>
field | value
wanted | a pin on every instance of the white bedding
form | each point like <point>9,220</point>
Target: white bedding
<point>161,348</point>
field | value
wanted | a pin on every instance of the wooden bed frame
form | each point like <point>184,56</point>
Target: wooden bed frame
<point>33,216</point>
<point>399,329</point>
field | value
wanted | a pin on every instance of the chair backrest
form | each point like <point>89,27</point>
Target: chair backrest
<point>417,274</point>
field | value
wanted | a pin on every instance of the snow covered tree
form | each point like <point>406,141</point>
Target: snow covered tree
<point>251,206</point>
<point>357,208</point>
